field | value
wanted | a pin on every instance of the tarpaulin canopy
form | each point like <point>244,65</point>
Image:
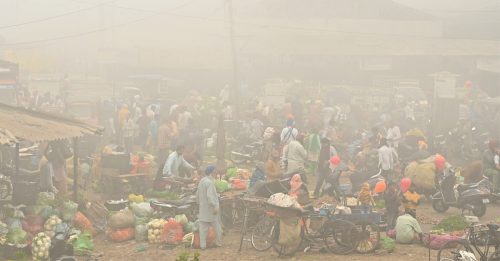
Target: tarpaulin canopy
<point>36,126</point>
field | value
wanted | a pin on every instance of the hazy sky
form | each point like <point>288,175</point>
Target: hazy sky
<point>155,28</point>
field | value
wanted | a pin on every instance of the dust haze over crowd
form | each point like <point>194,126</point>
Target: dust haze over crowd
<point>317,41</point>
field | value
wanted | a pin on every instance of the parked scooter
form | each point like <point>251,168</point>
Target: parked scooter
<point>472,197</point>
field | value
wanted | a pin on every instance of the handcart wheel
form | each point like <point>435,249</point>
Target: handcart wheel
<point>262,234</point>
<point>366,236</point>
<point>338,236</point>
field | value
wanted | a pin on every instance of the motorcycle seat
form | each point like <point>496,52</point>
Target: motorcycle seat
<point>493,227</point>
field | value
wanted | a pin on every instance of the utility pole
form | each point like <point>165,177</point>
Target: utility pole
<point>235,81</point>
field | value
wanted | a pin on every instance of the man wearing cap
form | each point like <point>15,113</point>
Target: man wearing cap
<point>208,202</point>
<point>332,180</point>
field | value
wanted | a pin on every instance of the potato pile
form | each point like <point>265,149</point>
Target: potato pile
<point>155,228</point>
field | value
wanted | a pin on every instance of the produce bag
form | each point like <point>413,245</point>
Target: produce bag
<point>14,223</point>
<point>83,244</point>
<point>155,228</point>
<point>47,211</point>
<point>289,231</point>
<point>190,227</point>
<point>83,223</point>
<point>141,209</point>
<point>437,242</point>
<point>182,219</point>
<point>141,232</point>
<point>46,199</point>
<point>172,233</point>
<point>232,172</point>
<point>33,224</point>
<point>283,200</point>
<point>210,238</point>
<point>422,175</point>
<point>69,209</point>
<point>50,225</point>
<point>122,219</point>
<point>133,198</point>
<point>17,237</point>
<point>221,186</point>
<point>238,184</point>
<point>121,235</point>
<point>40,247</point>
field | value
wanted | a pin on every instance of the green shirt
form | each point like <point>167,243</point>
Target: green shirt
<point>407,229</point>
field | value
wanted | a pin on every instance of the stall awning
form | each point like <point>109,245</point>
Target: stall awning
<point>36,126</point>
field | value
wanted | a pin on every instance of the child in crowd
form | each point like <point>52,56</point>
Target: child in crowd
<point>365,199</point>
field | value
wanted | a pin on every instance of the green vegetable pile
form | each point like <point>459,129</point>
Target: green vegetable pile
<point>388,244</point>
<point>453,223</point>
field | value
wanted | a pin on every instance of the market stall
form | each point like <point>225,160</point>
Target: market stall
<point>25,127</point>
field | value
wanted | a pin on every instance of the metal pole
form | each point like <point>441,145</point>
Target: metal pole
<point>16,159</point>
<point>75,169</point>
<point>233,54</point>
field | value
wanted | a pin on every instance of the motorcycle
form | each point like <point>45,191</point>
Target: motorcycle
<point>357,180</point>
<point>170,208</point>
<point>472,197</point>
<point>250,152</point>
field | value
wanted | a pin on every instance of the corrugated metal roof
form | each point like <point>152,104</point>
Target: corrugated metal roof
<point>36,126</point>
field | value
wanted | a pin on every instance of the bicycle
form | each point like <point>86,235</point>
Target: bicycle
<point>470,245</point>
<point>336,235</point>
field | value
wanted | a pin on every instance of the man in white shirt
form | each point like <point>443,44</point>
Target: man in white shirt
<point>387,158</point>
<point>393,135</point>
<point>174,162</point>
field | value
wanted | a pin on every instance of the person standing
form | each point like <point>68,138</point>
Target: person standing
<point>288,134</point>
<point>143,125</point>
<point>393,135</point>
<point>491,163</point>
<point>327,151</point>
<point>392,203</point>
<point>208,202</point>
<point>129,133</point>
<point>166,133</point>
<point>295,154</point>
<point>387,157</point>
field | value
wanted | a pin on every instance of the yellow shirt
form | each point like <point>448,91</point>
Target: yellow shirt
<point>412,199</point>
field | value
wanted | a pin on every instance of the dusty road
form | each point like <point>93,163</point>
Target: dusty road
<point>132,251</point>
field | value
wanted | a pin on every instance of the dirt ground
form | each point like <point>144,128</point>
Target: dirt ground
<point>145,252</point>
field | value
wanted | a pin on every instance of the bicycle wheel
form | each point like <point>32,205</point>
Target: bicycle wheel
<point>337,236</point>
<point>366,237</point>
<point>451,250</point>
<point>291,247</point>
<point>262,234</point>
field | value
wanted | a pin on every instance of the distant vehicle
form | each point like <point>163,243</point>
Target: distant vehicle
<point>9,81</point>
